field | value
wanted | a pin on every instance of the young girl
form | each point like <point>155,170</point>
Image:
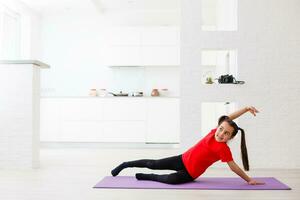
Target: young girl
<point>192,163</point>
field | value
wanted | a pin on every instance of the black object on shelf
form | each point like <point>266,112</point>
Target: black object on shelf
<point>229,79</point>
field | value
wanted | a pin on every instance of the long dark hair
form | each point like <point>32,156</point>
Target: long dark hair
<point>244,152</point>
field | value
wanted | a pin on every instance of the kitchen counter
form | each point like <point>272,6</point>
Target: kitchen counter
<point>112,97</point>
<point>110,119</point>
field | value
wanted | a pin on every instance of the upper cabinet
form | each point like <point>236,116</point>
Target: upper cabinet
<point>160,36</point>
<point>160,55</point>
<point>123,55</point>
<point>123,36</point>
<point>143,46</point>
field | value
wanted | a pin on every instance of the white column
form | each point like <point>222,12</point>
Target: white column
<point>19,113</point>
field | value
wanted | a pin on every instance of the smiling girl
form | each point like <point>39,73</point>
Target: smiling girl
<point>193,163</point>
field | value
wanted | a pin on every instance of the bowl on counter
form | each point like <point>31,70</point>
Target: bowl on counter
<point>136,94</point>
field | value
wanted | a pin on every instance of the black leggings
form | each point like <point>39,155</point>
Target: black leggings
<point>170,163</point>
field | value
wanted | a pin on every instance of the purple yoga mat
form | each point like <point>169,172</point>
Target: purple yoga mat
<point>202,183</point>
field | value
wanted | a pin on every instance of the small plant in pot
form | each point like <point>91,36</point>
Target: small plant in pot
<point>209,80</point>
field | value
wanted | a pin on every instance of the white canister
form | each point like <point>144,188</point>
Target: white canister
<point>164,92</point>
<point>102,92</point>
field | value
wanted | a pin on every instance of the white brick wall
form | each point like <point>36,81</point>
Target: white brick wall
<point>19,116</point>
<point>268,45</point>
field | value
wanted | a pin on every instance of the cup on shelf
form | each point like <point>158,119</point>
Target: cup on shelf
<point>93,92</point>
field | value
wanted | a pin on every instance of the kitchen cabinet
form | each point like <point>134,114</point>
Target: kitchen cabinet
<point>116,119</point>
<point>123,36</point>
<point>103,131</point>
<point>123,131</point>
<point>163,125</point>
<point>160,36</point>
<point>80,131</point>
<point>123,108</point>
<point>123,55</point>
<point>160,55</point>
<point>77,109</point>
<point>143,46</point>
<point>50,119</point>
<point>123,119</point>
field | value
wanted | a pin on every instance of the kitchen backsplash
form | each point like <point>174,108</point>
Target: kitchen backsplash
<point>116,79</point>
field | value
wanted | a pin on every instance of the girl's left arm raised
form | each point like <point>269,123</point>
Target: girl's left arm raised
<point>241,111</point>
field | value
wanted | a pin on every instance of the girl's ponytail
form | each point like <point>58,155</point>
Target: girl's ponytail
<point>244,150</point>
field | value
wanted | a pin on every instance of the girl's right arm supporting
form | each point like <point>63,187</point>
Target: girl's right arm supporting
<point>236,169</point>
<point>240,112</point>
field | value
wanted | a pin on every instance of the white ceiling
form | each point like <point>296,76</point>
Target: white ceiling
<point>141,4</point>
<point>45,6</point>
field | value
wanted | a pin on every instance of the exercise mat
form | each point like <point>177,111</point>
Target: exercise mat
<point>202,183</point>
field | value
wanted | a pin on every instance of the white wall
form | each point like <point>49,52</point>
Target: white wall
<point>76,45</point>
<point>30,41</point>
<point>268,45</point>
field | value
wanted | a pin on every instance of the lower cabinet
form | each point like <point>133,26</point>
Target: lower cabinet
<point>80,131</point>
<point>145,120</point>
<point>103,131</point>
<point>123,131</point>
<point>163,121</point>
<point>50,119</point>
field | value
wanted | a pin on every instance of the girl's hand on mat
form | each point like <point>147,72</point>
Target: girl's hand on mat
<point>254,182</point>
<point>252,109</point>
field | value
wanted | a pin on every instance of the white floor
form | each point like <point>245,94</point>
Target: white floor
<point>71,173</point>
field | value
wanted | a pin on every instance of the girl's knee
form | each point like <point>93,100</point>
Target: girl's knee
<point>151,164</point>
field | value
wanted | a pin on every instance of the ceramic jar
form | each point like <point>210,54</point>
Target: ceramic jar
<point>155,93</point>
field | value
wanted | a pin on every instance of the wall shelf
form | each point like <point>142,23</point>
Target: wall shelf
<point>217,62</point>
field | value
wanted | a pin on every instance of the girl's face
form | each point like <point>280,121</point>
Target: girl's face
<point>224,132</point>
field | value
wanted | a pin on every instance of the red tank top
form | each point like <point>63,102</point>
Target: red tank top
<point>207,151</point>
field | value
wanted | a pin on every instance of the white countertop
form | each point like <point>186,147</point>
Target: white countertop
<point>110,97</point>
<point>33,62</point>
